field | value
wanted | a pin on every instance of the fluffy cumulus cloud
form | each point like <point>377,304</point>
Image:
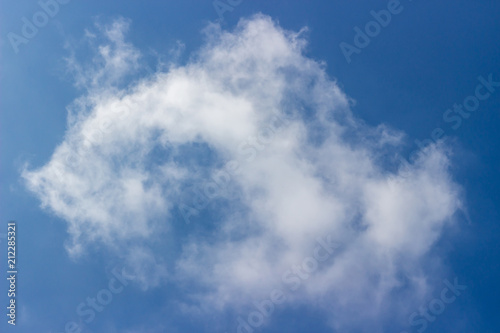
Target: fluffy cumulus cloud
<point>252,143</point>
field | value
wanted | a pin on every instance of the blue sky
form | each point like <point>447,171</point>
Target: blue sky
<point>229,167</point>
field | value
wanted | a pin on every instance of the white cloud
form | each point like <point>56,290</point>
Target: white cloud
<point>130,155</point>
